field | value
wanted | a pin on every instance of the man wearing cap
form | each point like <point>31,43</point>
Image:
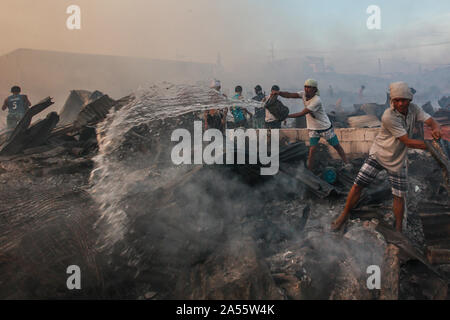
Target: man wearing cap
<point>318,123</point>
<point>389,151</point>
<point>17,105</point>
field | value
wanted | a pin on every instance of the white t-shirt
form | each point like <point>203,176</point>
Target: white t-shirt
<point>389,151</point>
<point>317,119</point>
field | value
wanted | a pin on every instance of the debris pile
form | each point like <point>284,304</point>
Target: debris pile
<point>102,192</point>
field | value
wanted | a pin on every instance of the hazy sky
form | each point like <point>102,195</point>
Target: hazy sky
<point>241,30</point>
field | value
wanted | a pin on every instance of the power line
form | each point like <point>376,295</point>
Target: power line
<point>443,43</point>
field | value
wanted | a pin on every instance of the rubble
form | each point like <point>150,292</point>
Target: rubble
<point>24,137</point>
<point>103,193</point>
<point>440,156</point>
<point>76,100</point>
<point>95,111</point>
<point>444,102</point>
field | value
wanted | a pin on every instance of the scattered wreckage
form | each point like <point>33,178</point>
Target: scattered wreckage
<point>142,228</point>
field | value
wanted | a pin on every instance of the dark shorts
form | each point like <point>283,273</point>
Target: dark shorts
<point>273,125</point>
<point>236,125</point>
<point>369,171</point>
<point>13,119</point>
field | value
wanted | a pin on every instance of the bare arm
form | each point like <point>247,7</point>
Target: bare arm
<point>289,95</point>
<point>435,128</point>
<point>248,112</point>
<point>300,114</point>
<point>5,105</point>
<point>412,143</point>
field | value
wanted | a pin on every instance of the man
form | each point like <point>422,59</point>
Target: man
<point>389,151</point>
<point>17,105</point>
<point>215,118</point>
<point>330,91</point>
<point>259,94</point>
<point>317,121</point>
<point>240,121</point>
<point>271,121</point>
<point>259,117</point>
<point>361,92</point>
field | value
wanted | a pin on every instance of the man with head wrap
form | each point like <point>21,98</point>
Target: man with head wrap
<point>389,151</point>
<point>317,120</point>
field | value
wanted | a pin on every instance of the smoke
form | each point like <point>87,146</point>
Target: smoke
<point>246,43</point>
<point>242,32</point>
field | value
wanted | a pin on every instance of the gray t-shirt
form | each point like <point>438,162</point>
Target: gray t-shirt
<point>317,119</point>
<point>388,150</point>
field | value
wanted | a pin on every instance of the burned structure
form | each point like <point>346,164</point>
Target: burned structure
<point>100,191</point>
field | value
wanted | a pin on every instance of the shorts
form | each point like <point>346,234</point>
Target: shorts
<point>236,125</point>
<point>329,135</point>
<point>259,122</point>
<point>369,171</point>
<point>273,125</point>
<point>13,119</point>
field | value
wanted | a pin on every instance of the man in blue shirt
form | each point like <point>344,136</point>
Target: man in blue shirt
<point>17,105</point>
<point>240,121</point>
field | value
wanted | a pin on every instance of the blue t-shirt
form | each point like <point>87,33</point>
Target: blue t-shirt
<point>17,104</point>
<point>237,112</point>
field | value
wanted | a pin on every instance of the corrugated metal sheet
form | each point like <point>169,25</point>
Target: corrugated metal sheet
<point>95,111</point>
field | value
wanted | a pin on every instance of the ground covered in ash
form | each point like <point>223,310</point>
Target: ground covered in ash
<point>141,228</point>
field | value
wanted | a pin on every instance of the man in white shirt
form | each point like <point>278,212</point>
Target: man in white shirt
<point>317,121</point>
<point>389,152</point>
<point>271,122</point>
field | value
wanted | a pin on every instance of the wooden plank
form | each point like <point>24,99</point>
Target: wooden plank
<point>390,273</point>
<point>438,256</point>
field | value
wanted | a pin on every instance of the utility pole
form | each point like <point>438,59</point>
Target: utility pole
<point>272,52</point>
<point>219,60</point>
<point>379,66</point>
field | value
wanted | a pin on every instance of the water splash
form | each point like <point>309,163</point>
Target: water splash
<point>133,146</point>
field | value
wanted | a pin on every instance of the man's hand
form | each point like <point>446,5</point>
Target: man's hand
<point>436,133</point>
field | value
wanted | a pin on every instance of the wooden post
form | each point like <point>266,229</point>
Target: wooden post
<point>390,273</point>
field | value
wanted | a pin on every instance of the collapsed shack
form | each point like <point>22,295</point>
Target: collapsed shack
<point>77,101</point>
<point>204,232</point>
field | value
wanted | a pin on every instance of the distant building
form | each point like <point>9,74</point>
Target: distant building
<point>314,65</point>
<point>50,73</point>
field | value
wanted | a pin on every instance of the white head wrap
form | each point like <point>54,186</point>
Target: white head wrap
<point>400,90</point>
<point>313,83</point>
